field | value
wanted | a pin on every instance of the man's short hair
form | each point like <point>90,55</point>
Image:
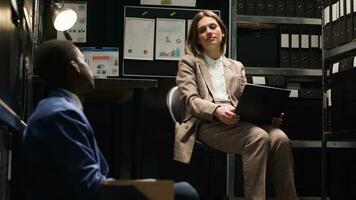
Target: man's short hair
<point>52,60</point>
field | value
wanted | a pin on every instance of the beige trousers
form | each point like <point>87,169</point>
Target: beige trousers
<point>262,148</point>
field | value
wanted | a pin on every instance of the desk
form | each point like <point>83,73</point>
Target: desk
<point>138,85</point>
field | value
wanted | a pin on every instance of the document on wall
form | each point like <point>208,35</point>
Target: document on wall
<point>190,3</point>
<point>170,38</point>
<point>139,38</point>
<point>78,32</point>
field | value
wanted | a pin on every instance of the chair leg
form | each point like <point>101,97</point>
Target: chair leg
<point>211,175</point>
<point>230,175</point>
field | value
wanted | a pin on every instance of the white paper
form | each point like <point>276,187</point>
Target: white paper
<point>327,15</point>
<point>335,68</point>
<point>334,12</point>
<point>354,62</point>
<point>294,88</point>
<point>78,32</point>
<point>103,62</point>
<point>305,41</point>
<point>354,1</point>
<point>321,42</point>
<point>314,41</point>
<point>259,80</point>
<point>348,7</point>
<point>341,8</point>
<point>285,40</point>
<point>295,41</point>
<point>338,9</point>
<point>294,94</point>
<point>170,38</point>
<point>328,95</point>
<point>189,3</point>
<point>139,38</point>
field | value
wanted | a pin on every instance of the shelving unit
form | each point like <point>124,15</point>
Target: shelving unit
<point>340,52</point>
<point>292,74</point>
<point>330,137</point>
<point>283,71</point>
<point>277,20</point>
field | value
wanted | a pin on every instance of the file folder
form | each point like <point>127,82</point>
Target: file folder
<point>295,53</point>
<point>284,54</point>
<point>250,7</point>
<point>315,51</point>
<point>342,23</point>
<point>259,104</point>
<point>334,23</point>
<point>241,7</point>
<point>300,8</point>
<point>290,8</point>
<point>281,7</point>
<point>270,7</point>
<point>318,9</point>
<point>310,9</point>
<point>348,29</point>
<point>260,7</point>
<point>327,25</point>
<point>304,50</point>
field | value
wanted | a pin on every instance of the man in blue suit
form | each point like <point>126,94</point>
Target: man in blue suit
<point>61,157</point>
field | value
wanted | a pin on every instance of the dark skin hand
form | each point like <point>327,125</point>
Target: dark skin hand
<point>227,115</point>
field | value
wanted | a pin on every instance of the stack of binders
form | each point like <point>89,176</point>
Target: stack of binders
<point>339,25</point>
<point>290,8</point>
<point>300,49</point>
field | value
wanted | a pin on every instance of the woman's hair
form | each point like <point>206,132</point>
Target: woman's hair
<point>193,46</point>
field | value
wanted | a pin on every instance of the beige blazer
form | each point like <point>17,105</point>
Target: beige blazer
<point>194,82</point>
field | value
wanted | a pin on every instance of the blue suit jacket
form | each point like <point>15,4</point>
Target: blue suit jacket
<point>61,156</point>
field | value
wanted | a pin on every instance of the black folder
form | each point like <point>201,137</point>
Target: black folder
<point>295,50</point>
<point>251,7</point>
<point>300,8</point>
<point>259,104</point>
<point>260,7</point>
<point>315,50</point>
<point>310,8</point>
<point>270,7</point>
<point>348,31</point>
<point>304,49</point>
<point>281,7</point>
<point>327,24</point>
<point>290,8</point>
<point>284,52</point>
<point>241,7</point>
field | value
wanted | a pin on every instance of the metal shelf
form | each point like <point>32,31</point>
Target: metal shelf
<point>340,52</point>
<point>282,71</point>
<point>277,20</point>
<point>317,144</point>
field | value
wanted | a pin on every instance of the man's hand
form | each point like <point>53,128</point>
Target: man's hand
<point>227,114</point>
<point>277,121</point>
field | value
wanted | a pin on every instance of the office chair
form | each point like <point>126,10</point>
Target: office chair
<point>175,106</point>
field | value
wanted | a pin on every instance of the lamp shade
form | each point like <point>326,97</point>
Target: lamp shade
<point>64,18</point>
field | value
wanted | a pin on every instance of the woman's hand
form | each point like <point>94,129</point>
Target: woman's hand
<point>277,121</point>
<point>227,114</point>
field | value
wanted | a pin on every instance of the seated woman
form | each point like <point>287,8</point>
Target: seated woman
<point>211,85</point>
